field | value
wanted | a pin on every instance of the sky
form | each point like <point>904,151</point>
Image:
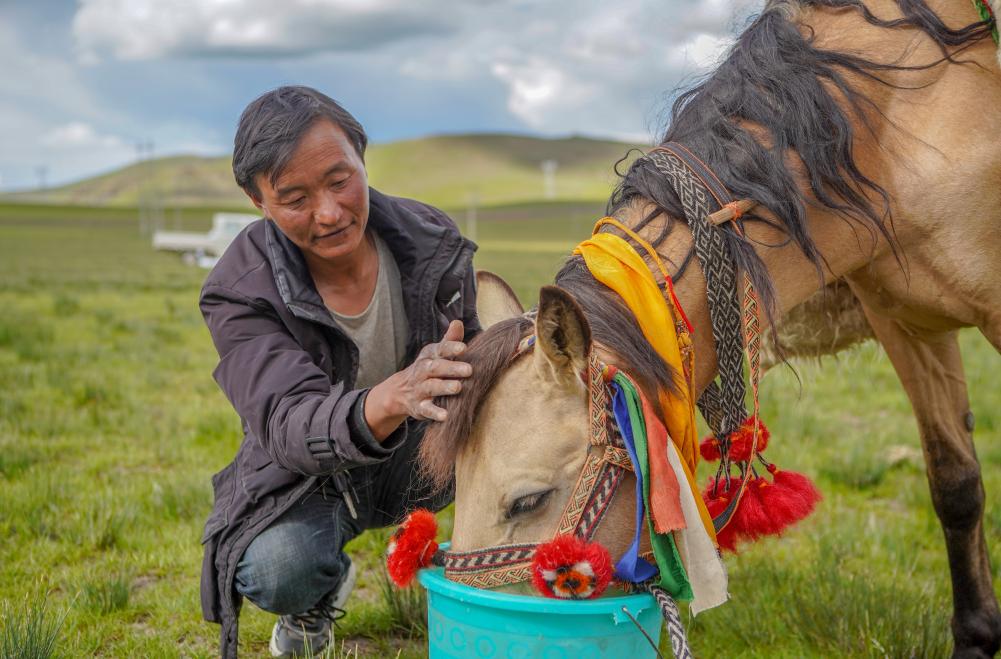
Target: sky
<point>88,85</point>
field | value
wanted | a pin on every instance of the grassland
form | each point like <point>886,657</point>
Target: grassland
<point>110,426</point>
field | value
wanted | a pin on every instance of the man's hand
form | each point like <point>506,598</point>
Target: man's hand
<point>411,392</point>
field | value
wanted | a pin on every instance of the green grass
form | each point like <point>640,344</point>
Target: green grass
<point>29,629</point>
<point>111,426</point>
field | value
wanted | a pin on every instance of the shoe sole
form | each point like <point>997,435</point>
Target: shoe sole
<point>275,652</point>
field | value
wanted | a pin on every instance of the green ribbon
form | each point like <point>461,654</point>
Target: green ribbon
<point>985,15</point>
<point>673,577</point>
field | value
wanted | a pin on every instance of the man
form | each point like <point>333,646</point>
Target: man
<point>337,318</point>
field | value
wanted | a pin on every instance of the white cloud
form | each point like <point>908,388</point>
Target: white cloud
<point>79,135</point>
<point>536,87</point>
<point>703,51</point>
<point>143,29</point>
<point>588,66</point>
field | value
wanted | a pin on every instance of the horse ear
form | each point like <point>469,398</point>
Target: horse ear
<point>495,301</point>
<point>562,335</point>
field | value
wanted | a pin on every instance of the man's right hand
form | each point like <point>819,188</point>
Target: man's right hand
<point>411,392</point>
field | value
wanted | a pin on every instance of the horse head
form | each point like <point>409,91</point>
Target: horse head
<point>518,435</point>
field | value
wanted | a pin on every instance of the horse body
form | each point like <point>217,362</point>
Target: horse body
<point>928,140</point>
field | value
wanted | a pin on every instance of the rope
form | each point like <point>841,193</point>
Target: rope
<point>672,621</point>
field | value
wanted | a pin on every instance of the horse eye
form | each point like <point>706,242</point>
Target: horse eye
<point>526,504</point>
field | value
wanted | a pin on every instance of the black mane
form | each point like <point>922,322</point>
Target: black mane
<point>775,78</point>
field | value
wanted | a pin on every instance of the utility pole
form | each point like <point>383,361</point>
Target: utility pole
<point>549,178</point>
<point>154,200</point>
<point>43,174</point>
<point>141,187</point>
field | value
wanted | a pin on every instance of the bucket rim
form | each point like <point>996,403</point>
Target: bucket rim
<point>433,579</point>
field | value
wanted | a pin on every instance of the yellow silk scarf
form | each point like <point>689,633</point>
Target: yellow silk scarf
<point>615,263</point>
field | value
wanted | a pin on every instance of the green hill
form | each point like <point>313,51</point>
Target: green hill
<point>446,171</point>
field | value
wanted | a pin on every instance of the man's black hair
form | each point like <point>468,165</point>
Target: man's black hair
<point>272,125</point>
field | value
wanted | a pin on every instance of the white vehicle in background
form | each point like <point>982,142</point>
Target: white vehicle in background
<point>204,249</point>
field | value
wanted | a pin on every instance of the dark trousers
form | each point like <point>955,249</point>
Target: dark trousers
<point>297,560</point>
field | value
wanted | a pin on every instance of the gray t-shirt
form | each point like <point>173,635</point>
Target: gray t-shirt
<point>380,331</point>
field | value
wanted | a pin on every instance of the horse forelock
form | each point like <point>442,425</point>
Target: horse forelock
<point>489,353</point>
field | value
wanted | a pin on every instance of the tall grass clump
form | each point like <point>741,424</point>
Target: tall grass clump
<point>850,610</point>
<point>28,631</point>
<point>407,607</point>
<point>106,596</point>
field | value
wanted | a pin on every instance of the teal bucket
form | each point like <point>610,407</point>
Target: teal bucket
<point>470,622</point>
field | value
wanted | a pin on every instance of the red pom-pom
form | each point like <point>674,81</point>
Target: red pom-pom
<point>570,568</point>
<point>790,498</point>
<point>709,448</point>
<point>742,439</point>
<point>412,547</point>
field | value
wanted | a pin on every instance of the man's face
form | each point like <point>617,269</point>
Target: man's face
<point>320,202</point>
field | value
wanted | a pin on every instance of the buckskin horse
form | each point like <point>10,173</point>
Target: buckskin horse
<point>868,136</point>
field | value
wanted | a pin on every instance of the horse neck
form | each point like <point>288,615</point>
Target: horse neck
<point>893,141</point>
<point>794,276</point>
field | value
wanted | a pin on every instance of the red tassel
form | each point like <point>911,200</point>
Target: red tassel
<point>412,547</point>
<point>790,498</point>
<point>742,439</point>
<point>709,448</point>
<point>570,568</point>
<point>726,538</point>
<point>751,520</point>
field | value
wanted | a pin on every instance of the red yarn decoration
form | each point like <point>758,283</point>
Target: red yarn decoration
<point>742,439</point>
<point>765,508</point>
<point>790,498</point>
<point>716,503</point>
<point>570,568</point>
<point>411,547</point>
<point>709,448</point>
<point>751,520</point>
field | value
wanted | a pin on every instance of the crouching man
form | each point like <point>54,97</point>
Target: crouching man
<point>337,318</point>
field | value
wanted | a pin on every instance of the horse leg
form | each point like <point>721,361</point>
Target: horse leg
<point>930,368</point>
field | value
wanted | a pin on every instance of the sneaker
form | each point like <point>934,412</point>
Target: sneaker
<point>310,632</point>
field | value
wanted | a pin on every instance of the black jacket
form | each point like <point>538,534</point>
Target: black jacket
<point>289,372</point>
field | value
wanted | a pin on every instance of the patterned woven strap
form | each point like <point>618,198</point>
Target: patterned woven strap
<point>493,579</point>
<point>672,622</point>
<point>482,560</point>
<point>701,193</point>
<point>597,400</point>
<point>491,567</point>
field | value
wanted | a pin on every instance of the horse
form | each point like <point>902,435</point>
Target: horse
<point>866,131</point>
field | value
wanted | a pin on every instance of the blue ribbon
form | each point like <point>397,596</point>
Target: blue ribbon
<point>631,567</point>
